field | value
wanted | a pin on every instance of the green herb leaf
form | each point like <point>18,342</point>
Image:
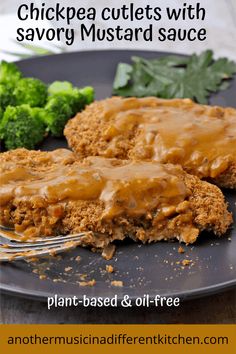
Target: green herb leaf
<point>123,75</point>
<point>192,77</point>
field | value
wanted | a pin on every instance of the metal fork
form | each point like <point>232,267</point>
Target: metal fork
<point>12,248</point>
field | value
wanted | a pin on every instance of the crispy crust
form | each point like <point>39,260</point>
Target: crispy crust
<point>85,135</point>
<point>228,178</point>
<point>207,210</point>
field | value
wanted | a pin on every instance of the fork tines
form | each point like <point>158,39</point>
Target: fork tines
<point>12,247</point>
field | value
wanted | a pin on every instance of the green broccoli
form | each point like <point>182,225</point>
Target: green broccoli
<point>37,109</point>
<point>77,98</point>
<point>71,94</point>
<point>60,87</point>
<point>1,113</point>
<point>57,112</point>
<point>9,73</point>
<point>30,91</point>
<point>21,126</point>
<point>6,96</point>
<point>88,94</point>
<point>63,103</point>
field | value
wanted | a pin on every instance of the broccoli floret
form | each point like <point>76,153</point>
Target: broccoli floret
<point>88,94</point>
<point>30,91</point>
<point>9,73</point>
<point>71,94</point>
<point>60,87</point>
<point>21,127</point>
<point>25,124</point>
<point>6,96</point>
<point>63,103</point>
<point>56,114</point>
<point>77,98</point>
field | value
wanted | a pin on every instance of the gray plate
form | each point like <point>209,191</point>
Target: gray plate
<point>144,269</point>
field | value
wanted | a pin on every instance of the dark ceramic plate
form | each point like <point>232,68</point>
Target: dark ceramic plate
<point>144,269</point>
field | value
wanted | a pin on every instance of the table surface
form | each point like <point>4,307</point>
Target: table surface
<point>220,309</point>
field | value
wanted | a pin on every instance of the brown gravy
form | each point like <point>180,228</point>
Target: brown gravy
<point>123,186</point>
<point>200,138</point>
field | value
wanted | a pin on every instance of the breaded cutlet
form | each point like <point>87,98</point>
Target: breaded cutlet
<point>202,139</point>
<point>49,193</point>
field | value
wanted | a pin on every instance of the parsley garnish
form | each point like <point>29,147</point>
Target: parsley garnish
<point>174,76</point>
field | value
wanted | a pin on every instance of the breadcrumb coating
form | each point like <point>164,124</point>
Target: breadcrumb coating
<point>204,208</point>
<point>98,131</point>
